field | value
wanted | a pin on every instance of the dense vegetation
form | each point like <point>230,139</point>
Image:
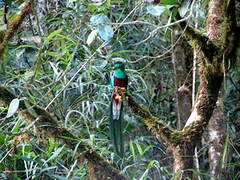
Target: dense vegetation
<point>56,59</point>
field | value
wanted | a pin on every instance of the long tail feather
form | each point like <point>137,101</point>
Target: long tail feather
<point>116,132</point>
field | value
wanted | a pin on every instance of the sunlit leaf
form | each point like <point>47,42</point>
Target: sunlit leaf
<point>3,27</point>
<point>185,7</point>
<point>105,32</point>
<point>99,19</point>
<point>92,36</point>
<point>13,107</point>
<point>157,10</point>
<point>152,164</point>
<point>139,149</point>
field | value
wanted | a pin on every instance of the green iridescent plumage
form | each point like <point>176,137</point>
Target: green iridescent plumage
<point>119,77</point>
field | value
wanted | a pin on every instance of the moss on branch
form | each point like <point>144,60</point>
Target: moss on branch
<point>158,127</point>
<point>14,25</point>
<point>48,126</point>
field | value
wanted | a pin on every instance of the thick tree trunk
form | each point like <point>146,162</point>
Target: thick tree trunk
<point>211,72</point>
<point>212,52</point>
<point>217,136</point>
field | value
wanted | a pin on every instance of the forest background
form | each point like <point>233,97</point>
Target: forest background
<point>182,109</point>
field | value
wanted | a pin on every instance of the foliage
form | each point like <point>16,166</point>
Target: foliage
<point>62,62</point>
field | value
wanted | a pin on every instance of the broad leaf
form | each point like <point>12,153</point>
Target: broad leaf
<point>185,7</point>
<point>157,10</point>
<point>99,19</point>
<point>3,27</point>
<point>105,32</point>
<point>1,3</point>
<point>13,107</point>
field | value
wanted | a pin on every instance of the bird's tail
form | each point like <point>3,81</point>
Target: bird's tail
<point>116,130</point>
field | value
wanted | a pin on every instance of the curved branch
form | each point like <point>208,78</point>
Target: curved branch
<point>158,127</point>
<point>47,125</point>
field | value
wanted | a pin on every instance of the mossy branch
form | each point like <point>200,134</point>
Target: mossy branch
<point>200,42</point>
<point>158,127</point>
<point>48,126</point>
<point>14,25</point>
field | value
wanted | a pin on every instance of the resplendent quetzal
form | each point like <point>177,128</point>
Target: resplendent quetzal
<point>119,79</point>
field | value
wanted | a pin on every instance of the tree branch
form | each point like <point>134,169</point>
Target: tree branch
<point>47,125</point>
<point>220,43</point>
<point>14,25</point>
<point>157,127</point>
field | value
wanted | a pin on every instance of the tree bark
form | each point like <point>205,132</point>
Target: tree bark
<point>212,52</point>
<point>217,135</point>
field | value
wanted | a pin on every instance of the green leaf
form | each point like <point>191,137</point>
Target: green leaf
<point>13,107</point>
<point>26,46</point>
<point>52,35</point>
<point>53,54</point>
<point>153,163</point>
<point>105,32</point>
<point>132,150</point>
<point>169,2</point>
<point>68,38</point>
<point>16,127</point>
<point>139,149</point>
<point>145,175</point>
<point>2,138</point>
<point>147,149</point>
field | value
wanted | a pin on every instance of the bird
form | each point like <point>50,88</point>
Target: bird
<point>119,78</point>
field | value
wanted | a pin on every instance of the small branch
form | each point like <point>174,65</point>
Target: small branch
<point>15,25</point>
<point>48,125</point>
<point>156,126</point>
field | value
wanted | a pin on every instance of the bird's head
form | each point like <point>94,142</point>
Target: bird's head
<point>119,65</point>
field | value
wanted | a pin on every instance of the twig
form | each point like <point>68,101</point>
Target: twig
<point>88,60</point>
